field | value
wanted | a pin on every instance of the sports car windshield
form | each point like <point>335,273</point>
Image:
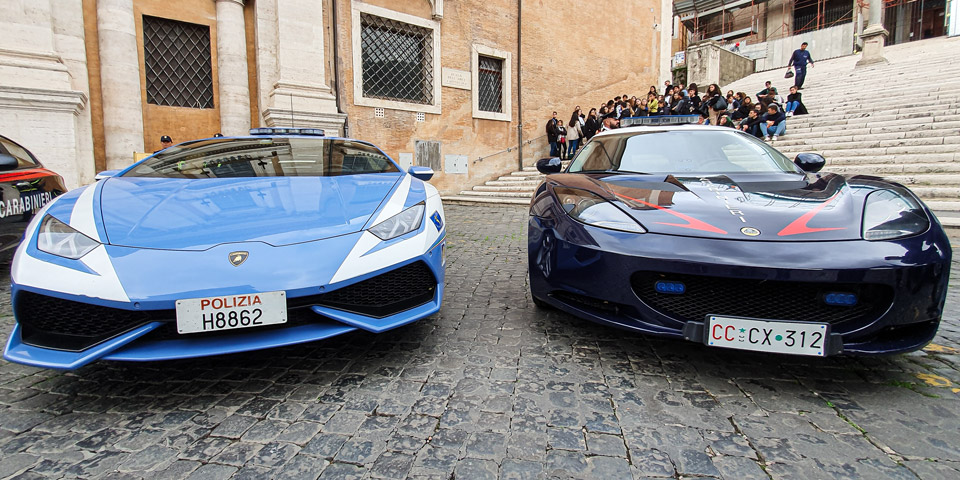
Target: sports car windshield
<point>679,152</point>
<point>265,157</point>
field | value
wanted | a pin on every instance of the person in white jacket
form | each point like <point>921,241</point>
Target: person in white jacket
<point>574,134</point>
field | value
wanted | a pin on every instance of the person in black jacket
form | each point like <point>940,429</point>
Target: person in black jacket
<point>744,110</point>
<point>552,135</point>
<point>694,99</point>
<point>592,124</point>
<point>794,105</point>
<point>774,122</point>
<point>751,124</point>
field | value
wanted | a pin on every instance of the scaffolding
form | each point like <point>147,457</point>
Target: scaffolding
<point>747,21</point>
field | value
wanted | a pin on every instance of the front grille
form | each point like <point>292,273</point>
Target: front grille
<point>765,299</point>
<point>386,294</point>
<point>51,322</point>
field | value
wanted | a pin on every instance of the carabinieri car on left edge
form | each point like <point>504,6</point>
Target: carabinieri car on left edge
<point>226,245</point>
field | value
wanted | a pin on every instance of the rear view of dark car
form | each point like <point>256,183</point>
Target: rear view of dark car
<point>25,187</point>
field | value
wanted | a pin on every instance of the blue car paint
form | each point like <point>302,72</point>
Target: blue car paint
<point>138,268</point>
<point>189,214</point>
<point>598,263</point>
<point>124,348</point>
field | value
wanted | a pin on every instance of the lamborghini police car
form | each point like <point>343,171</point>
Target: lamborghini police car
<point>226,245</point>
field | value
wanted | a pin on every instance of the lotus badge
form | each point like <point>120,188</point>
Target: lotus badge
<point>750,231</point>
<point>237,258</point>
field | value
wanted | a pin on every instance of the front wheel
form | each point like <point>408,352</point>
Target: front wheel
<point>540,303</point>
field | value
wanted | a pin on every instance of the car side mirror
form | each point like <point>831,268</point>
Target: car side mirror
<point>106,174</point>
<point>549,165</point>
<point>423,173</point>
<point>810,162</point>
<point>8,162</point>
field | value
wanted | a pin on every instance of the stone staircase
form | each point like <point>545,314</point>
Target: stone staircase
<point>900,121</point>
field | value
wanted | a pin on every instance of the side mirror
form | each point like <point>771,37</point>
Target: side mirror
<point>423,173</point>
<point>106,174</point>
<point>810,162</point>
<point>549,165</point>
<point>8,162</point>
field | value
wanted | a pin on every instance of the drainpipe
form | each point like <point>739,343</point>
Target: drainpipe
<point>519,85</point>
<point>336,65</point>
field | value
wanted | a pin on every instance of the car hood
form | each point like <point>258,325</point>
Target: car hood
<point>192,214</point>
<point>755,206</point>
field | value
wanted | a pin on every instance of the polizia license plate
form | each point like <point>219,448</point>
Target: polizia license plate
<point>798,338</point>
<point>211,314</point>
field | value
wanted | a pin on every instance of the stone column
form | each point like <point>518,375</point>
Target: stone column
<point>120,82</point>
<point>232,68</point>
<point>293,80</point>
<point>874,36</point>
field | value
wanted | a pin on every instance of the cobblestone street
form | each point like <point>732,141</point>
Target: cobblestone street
<point>491,387</point>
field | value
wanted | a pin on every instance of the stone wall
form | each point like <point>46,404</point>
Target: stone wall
<point>562,67</point>
<point>733,67</point>
<point>43,85</point>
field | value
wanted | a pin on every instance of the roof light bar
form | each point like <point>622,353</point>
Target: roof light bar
<point>659,120</point>
<point>287,131</point>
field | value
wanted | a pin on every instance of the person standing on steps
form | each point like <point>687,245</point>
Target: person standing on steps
<point>552,134</point>
<point>574,133</point>
<point>799,61</point>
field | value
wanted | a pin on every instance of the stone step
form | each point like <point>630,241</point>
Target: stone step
<point>951,205</point>
<point>901,159</point>
<point>803,121</point>
<point>925,192</point>
<point>873,151</point>
<point>472,200</point>
<point>495,188</point>
<point>517,178</point>
<point>825,107</point>
<point>513,183</point>
<point>924,122</point>
<point>478,193</point>
<point>866,130</point>
<point>895,168</point>
<point>868,141</point>
<point>933,180</point>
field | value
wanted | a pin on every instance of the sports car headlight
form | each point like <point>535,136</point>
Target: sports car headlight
<point>888,215</point>
<point>58,238</point>
<point>592,209</point>
<point>399,224</point>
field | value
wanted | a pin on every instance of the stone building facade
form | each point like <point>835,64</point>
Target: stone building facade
<point>455,84</point>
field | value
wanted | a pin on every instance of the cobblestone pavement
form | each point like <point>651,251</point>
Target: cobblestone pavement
<point>490,387</point>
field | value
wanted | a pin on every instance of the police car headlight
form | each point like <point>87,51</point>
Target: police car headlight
<point>399,224</point>
<point>58,238</point>
<point>888,215</point>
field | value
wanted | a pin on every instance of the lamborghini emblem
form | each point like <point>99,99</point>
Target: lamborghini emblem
<point>236,258</point>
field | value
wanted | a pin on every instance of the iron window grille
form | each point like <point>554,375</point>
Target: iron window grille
<point>397,60</point>
<point>490,84</point>
<point>178,65</point>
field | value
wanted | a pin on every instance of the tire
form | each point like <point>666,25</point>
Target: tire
<point>540,304</point>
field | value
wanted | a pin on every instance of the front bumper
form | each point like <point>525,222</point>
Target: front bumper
<point>311,318</point>
<point>592,273</point>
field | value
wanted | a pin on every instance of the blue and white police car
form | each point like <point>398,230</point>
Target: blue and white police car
<point>226,245</point>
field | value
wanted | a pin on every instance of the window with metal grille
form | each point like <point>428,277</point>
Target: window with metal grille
<point>177,60</point>
<point>490,84</point>
<point>397,60</point>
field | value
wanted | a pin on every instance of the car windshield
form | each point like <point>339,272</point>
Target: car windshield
<point>679,152</point>
<point>265,157</point>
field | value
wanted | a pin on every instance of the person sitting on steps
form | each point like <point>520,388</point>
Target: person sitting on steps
<point>773,122</point>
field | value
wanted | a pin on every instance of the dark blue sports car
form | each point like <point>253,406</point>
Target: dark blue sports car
<point>710,235</point>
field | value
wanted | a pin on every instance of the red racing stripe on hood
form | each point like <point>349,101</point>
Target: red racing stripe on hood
<point>692,223</point>
<point>799,225</point>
